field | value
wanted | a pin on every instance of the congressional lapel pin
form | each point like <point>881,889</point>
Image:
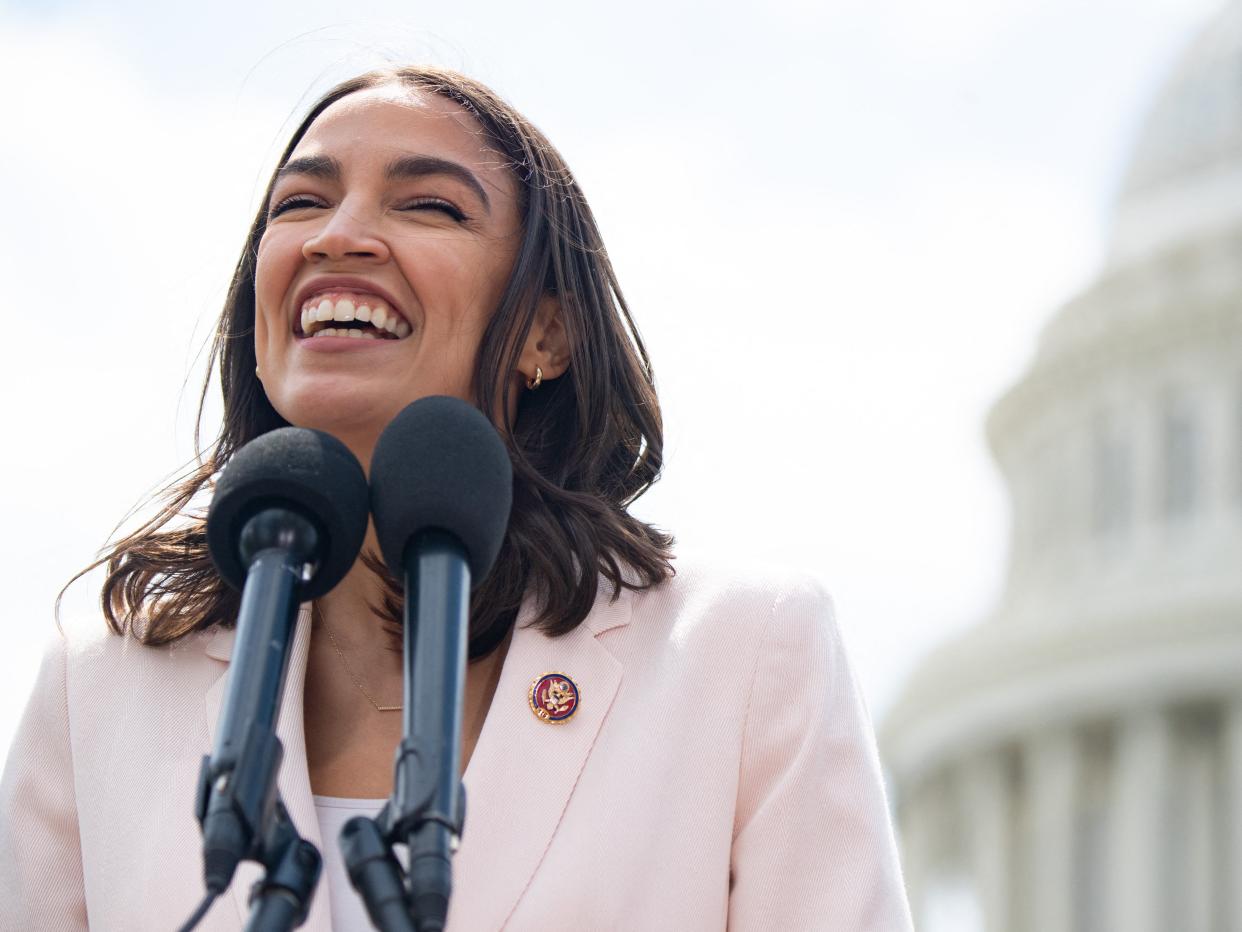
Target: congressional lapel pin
<point>553,698</point>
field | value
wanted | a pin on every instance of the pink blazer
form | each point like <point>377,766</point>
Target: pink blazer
<point>719,772</point>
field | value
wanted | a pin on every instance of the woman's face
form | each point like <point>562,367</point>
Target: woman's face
<point>392,233</point>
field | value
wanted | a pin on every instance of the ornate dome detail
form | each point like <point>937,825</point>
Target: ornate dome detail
<point>1183,178</point>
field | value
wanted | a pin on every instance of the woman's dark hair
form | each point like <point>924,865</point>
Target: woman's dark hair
<point>584,446</point>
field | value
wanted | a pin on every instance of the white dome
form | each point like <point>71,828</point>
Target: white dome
<point>1068,757</point>
<point>1185,176</point>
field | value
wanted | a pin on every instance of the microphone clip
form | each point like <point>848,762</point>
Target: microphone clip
<point>414,789</point>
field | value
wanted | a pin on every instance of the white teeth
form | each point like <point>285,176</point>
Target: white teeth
<point>344,310</point>
<point>343,332</point>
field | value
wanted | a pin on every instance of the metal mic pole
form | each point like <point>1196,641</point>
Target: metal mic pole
<point>441,492</point>
<point>427,808</point>
<point>285,525</point>
<point>237,784</point>
<point>428,798</point>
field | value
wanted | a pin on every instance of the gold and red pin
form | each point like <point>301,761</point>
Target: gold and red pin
<point>553,698</point>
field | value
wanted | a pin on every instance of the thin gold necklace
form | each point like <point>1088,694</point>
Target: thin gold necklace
<point>350,673</point>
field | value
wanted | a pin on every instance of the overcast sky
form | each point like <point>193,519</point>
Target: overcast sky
<point>839,224</point>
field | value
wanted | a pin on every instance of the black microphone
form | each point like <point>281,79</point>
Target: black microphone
<point>285,525</point>
<point>441,491</point>
<point>440,465</point>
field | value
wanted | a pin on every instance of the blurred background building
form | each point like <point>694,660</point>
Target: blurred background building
<point>1075,761</point>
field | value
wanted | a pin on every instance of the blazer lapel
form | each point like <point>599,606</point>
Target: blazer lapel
<point>293,780</point>
<point>520,778</point>
<point>524,770</point>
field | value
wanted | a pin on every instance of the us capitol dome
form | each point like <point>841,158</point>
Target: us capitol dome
<point>1075,760</point>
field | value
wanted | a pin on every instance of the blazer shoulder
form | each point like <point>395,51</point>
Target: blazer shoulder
<point>97,659</point>
<point>743,591</point>
<point>90,641</point>
<point>716,604</point>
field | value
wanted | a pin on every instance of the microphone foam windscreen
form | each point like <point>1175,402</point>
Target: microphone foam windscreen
<point>441,464</point>
<point>305,471</point>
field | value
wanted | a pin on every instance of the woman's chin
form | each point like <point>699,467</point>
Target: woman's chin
<point>355,422</point>
<point>354,413</point>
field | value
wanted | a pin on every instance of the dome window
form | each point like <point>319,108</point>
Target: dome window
<point>1180,460</point>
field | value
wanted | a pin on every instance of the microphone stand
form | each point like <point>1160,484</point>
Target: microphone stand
<point>238,806</point>
<point>281,899</point>
<point>426,811</point>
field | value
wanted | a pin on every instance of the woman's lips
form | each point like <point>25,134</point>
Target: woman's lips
<point>339,342</point>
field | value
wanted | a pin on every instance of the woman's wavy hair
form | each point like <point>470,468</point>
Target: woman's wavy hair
<point>584,446</point>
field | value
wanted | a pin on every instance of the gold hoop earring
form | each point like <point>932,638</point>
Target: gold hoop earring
<point>534,383</point>
<point>257,374</point>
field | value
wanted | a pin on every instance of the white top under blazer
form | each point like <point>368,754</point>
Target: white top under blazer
<point>332,812</point>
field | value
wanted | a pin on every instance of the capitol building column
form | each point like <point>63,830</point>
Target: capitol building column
<point>1232,735</point>
<point>1052,767</point>
<point>917,832</point>
<point>1140,841</point>
<point>986,803</point>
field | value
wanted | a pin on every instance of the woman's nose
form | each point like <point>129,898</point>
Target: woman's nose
<point>346,234</point>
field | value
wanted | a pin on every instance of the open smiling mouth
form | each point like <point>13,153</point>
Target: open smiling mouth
<point>343,314</point>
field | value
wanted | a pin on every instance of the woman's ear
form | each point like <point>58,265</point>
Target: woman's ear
<point>547,344</point>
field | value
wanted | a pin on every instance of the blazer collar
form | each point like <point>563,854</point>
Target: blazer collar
<point>524,770</point>
<point>510,817</point>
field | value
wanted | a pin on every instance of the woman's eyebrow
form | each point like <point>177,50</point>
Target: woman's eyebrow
<point>317,166</point>
<point>406,166</point>
<point>416,166</point>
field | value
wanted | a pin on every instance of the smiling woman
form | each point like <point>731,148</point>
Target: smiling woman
<point>712,764</point>
<point>426,248</point>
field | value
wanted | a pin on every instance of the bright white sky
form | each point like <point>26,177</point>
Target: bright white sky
<point>840,225</point>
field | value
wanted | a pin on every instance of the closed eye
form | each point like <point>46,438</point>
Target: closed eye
<point>435,203</point>
<point>293,203</point>
<point>300,201</point>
